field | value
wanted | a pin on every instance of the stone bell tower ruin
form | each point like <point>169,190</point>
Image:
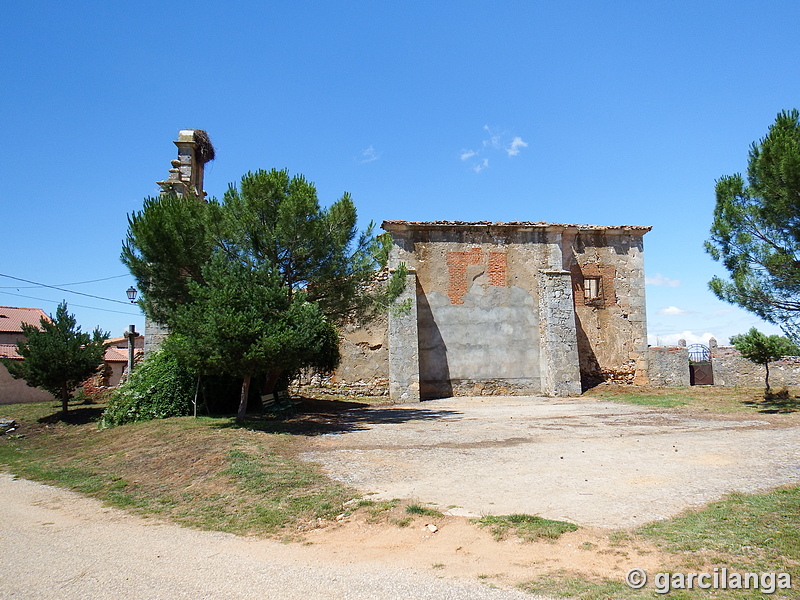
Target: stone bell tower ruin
<point>185,180</point>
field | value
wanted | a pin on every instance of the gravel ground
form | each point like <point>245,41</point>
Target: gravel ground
<point>590,462</point>
<point>593,463</point>
<point>58,545</point>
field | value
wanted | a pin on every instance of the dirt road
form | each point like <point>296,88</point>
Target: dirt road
<point>593,463</point>
<point>57,545</point>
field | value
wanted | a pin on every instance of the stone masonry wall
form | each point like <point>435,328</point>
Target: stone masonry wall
<point>731,368</point>
<point>477,307</point>
<point>612,327</point>
<point>668,366</point>
<point>364,365</point>
<point>496,310</point>
<point>559,348</point>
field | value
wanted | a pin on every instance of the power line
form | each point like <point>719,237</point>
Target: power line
<point>2,287</point>
<point>63,290</point>
<point>80,305</point>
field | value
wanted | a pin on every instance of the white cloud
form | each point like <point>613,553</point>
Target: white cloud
<point>481,165</point>
<point>672,310</point>
<point>516,144</point>
<point>494,138</point>
<point>369,155</point>
<point>671,339</point>
<point>495,141</point>
<point>660,280</point>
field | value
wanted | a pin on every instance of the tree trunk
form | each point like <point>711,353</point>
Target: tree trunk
<point>766,379</point>
<point>243,400</point>
<point>64,398</point>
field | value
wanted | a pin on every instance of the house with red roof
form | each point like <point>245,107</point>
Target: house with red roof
<point>13,391</point>
<point>116,359</point>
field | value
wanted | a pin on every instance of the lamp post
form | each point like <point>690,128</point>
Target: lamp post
<point>131,292</point>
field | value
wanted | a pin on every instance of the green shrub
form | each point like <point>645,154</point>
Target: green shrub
<point>158,388</point>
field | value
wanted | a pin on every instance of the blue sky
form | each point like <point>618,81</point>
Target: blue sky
<point>611,113</point>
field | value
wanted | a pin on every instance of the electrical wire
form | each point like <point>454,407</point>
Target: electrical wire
<point>80,305</point>
<point>3,287</point>
<point>63,290</point>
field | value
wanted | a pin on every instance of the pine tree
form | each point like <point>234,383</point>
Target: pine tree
<point>756,229</point>
<point>57,356</point>
<point>241,322</point>
<point>762,349</point>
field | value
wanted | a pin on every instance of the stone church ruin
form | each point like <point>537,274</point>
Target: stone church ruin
<point>516,308</point>
<point>527,308</point>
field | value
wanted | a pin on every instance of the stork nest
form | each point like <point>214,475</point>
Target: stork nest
<point>205,149</point>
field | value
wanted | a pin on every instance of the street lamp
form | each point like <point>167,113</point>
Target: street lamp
<point>131,291</point>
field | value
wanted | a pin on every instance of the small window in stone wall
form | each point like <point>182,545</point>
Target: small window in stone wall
<point>591,288</point>
<point>593,285</point>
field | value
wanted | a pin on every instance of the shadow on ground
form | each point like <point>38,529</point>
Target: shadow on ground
<point>317,417</point>
<point>75,416</point>
<point>775,405</point>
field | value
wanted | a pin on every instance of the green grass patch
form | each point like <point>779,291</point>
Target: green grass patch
<point>576,586</point>
<point>759,531</point>
<point>418,509</point>
<point>665,401</point>
<point>706,398</point>
<point>528,527</point>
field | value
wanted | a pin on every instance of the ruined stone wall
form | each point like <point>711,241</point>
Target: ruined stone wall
<point>477,307</point>
<point>668,366</point>
<point>731,368</point>
<point>498,308</point>
<point>611,326</point>
<point>364,350</point>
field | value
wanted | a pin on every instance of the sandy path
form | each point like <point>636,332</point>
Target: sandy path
<point>58,545</point>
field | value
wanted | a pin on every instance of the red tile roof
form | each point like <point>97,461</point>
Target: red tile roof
<point>122,342</point>
<point>114,354</point>
<point>9,351</point>
<point>401,225</point>
<point>12,318</point>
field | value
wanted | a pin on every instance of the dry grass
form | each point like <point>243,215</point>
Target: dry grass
<point>744,400</point>
<point>203,472</point>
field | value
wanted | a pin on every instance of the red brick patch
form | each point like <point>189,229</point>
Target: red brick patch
<point>457,263</point>
<point>497,269</point>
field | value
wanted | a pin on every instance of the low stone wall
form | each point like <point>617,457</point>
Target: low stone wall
<point>668,366</point>
<point>315,384</point>
<point>731,368</point>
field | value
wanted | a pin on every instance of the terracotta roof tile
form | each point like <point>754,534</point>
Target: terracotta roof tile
<point>395,225</point>
<point>12,318</point>
<point>122,342</point>
<point>9,351</point>
<point>114,354</point>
